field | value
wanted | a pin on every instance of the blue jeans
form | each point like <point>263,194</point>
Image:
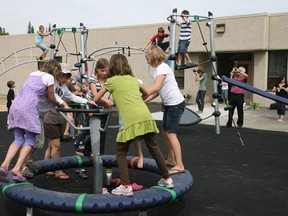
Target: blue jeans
<point>200,99</point>
<point>172,116</point>
<point>44,48</point>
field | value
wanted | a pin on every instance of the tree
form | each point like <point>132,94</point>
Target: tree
<point>2,31</point>
<point>30,28</point>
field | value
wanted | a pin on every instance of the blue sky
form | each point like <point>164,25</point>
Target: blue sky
<point>16,14</point>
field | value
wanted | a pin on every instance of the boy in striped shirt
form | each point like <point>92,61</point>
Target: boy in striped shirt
<point>184,38</point>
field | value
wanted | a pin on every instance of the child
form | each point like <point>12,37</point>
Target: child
<point>158,40</point>
<point>137,120</point>
<point>184,38</point>
<point>44,105</point>
<point>224,92</point>
<point>39,42</point>
<point>10,95</point>
<point>166,86</point>
<point>83,143</point>
<point>85,89</point>
<point>53,121</point>
<point>24,119</point>
<point>76,90</point>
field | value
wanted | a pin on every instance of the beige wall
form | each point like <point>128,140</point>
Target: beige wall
<point>257,34</point>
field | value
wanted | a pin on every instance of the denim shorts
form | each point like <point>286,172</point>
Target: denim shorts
<point>172,116</point>
<point>183,46</point>
<point>225,94</point>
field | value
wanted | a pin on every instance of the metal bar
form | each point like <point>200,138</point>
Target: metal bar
<point>213,59</point>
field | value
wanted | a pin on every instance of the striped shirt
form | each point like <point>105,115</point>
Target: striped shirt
<point>185,31</point>
<point>99,86</point>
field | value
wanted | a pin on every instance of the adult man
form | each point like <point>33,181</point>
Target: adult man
<point>201,77</point>
<point>237,96</point>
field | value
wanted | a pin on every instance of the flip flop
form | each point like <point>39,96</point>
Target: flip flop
<point>168,164</point>
<point>50,173</point>
<point>175,171</point>
<point>19,179</point>
<point>3,172</point>
<point>4,175</point>
<point>136,187</point>
<point>61,176</point>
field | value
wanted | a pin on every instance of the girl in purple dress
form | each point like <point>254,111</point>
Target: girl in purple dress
<point>24,117</point>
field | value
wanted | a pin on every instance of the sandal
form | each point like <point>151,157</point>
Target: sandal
<point>4,175</point>
<point>19,179</point>
<point>50,173</point>
<point>83,174</point>
<point>61,176</point>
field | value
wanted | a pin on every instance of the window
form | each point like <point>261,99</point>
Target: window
<point>277,66</point>
<point>179,75</point>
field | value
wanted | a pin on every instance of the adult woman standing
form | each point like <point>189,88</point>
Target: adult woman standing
<point>281,89</point>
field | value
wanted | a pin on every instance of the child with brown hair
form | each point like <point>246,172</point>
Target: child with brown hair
<point>10,95</point>
<point>137,121</point>
<point>158,39</point>
<point>184,39</point>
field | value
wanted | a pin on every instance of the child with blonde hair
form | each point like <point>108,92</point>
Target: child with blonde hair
<point>173,101</point>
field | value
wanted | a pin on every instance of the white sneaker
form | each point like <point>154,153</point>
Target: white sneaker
<point>122,190</point>
<point>166,183</point>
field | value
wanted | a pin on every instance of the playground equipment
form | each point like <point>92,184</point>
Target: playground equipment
<point>13,60</point>
<point>32,196</point>
<point>212,56</point>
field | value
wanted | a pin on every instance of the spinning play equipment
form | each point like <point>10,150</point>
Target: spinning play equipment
<point>29,195</point>
<point>32,196</point>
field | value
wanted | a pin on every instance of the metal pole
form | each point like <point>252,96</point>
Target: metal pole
<point>83,36</point>
<point>172,39</point>
<point>95,124</point>
<point>52,45</point>
<point>213,60</point>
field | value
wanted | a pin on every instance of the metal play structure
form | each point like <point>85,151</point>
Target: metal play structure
<point>172,54</point>
<point>14,60</point>
<point>32,196</point>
